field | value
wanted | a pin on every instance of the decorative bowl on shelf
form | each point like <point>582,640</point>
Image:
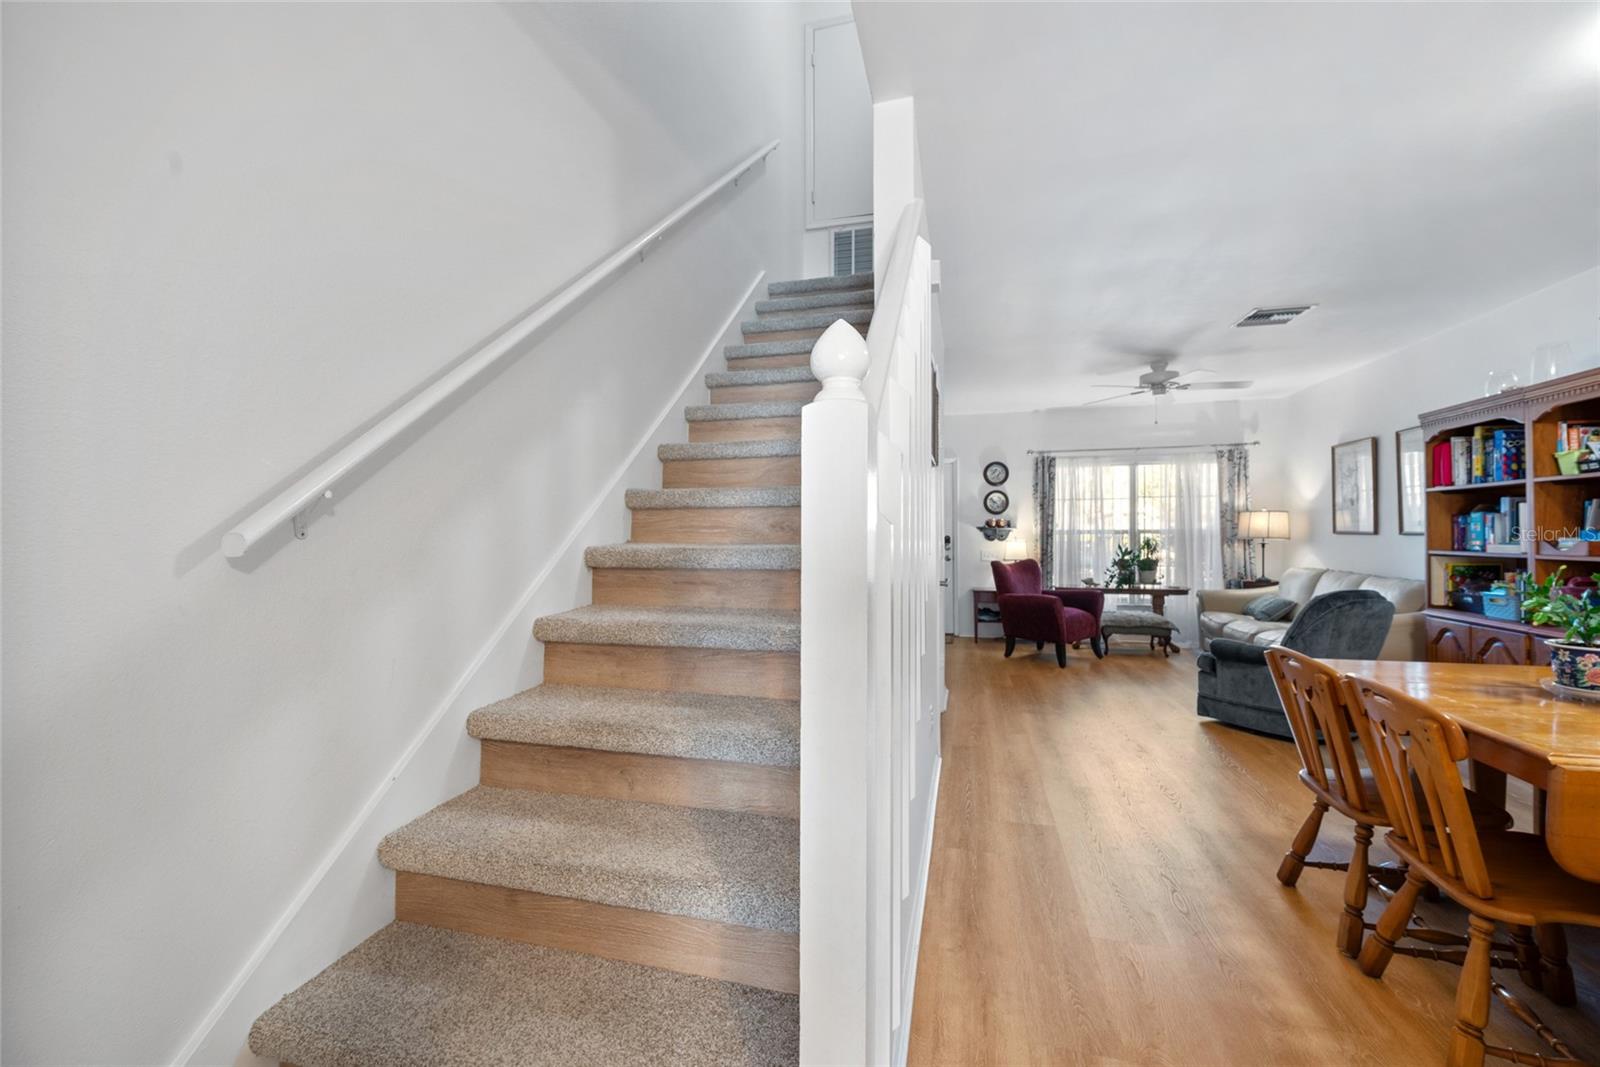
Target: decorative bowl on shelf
<point>995,533</point>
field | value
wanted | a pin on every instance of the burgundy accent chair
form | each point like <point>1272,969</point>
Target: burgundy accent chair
<point>1058,616</point>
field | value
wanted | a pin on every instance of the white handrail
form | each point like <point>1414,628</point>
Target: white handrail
<point>288,505</point>
<point>891,298</point>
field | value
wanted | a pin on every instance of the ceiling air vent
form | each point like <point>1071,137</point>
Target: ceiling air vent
<point>1274,316</point>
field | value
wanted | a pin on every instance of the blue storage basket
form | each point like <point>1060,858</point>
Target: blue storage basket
<point>1502,604</point>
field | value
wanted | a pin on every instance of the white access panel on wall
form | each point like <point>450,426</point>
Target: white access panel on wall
<point>838,126</point>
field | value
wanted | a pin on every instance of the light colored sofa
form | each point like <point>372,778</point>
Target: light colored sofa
<point>1222,610</point>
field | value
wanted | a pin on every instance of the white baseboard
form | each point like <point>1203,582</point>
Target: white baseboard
<point>902,1037</point>
<point>349,895</point>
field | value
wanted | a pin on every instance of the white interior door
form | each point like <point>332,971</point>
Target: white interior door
<point>947,578</point>
<point>838,126</point>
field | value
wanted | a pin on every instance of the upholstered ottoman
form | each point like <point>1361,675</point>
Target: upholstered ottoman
<point>1158,628</point>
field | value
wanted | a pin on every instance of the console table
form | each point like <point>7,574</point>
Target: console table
<point>1157,593</point>
<point>980,597</point>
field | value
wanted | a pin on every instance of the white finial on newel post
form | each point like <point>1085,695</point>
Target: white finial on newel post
<point>839,361</point>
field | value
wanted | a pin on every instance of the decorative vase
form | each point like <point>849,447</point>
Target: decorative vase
<point>1575,666</point>
<point>1500,381</point>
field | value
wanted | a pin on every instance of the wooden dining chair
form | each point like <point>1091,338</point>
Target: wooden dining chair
<point>1314,702</point>
<point>1497,876</point>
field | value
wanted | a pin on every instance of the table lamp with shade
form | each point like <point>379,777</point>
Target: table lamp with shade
<point>1264,526</point>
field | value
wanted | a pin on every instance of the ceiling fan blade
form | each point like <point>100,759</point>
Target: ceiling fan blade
<point>1102,385</point>
<point>1119,396</point>
<point>1215,385</point>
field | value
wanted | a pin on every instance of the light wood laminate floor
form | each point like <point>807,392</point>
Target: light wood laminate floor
<point>1102,890</point>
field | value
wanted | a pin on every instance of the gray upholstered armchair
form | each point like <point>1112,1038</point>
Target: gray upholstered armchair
<point>1235,684</point>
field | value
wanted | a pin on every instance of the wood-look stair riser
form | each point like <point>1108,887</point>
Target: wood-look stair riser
<point>799,359</point>
<point>717,526</point>
<point>768,959</point>
<point>804,392</point>
<point>754,473</point>
<point>729,672</point>
<point>792,335</point>
<point>651,588</point>
<point>690,783</point>
<point>831,309</point>
<point>744,430</point>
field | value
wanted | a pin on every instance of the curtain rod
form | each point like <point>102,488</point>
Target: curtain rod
<point>1138,448</point>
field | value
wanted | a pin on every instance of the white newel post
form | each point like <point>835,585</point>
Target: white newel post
<point>834,720</point>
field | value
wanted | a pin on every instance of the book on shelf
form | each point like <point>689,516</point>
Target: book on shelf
<point>1486,455</point>
<point>1441,470</point>
<point>1492,527</point>
<point>1571,436</point>
<point>1460,460</point>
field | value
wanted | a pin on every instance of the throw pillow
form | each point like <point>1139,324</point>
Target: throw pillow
<point>1269,608</point>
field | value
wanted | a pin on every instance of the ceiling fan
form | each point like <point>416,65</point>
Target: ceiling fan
<point>1159,381</point>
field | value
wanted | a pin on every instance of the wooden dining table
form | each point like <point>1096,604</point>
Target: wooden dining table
<point>1514,727</point>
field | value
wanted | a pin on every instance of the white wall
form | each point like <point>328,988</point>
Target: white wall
<point>1387,395</point>
<point>234,234</point>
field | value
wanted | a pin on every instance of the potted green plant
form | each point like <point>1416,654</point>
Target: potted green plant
<point>1149,559</point>
<point>1124,569</point>
<point>1575,659</point>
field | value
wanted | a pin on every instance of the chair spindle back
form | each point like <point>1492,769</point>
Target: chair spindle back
<point>1319,714</point>
<point>1414,754</point>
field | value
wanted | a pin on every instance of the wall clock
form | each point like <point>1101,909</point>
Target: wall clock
<point>996,473</point>
<point>996,502</point>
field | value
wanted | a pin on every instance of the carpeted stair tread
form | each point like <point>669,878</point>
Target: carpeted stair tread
<point>781,497</point>
<point>658,555</point>
<point>758,349</point>
<point>777,446</point>
<point>817,285</point>
<point>744,629</point>
<point>723,379</point>
<point>646,721</point>
<point>418,996</point>
<point>806,320</point>
<point>827,298</point>
<point>755,409</point>
<point>725,866</point>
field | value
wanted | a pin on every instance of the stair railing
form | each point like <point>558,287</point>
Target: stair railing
<point>871,649</point>
<point>291,505</point>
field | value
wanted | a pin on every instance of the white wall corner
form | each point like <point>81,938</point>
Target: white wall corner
<point>896,175</point>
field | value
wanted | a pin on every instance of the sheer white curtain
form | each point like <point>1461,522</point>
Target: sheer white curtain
<point>1105,501</point>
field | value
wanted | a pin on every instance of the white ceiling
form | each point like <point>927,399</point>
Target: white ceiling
<point>1109,180</point>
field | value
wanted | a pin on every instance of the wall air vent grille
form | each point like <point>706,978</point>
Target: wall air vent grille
<point>1274,316</point>
<point>852,251</point>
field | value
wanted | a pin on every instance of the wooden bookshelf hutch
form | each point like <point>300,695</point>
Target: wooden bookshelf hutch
<point>1555,503</point>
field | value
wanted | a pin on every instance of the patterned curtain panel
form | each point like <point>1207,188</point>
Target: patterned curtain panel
<point>1233,478</point>
<point>1044,515</point>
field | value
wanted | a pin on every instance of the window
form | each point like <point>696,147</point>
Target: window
<point>1103,502</point>
<point>852,251</point>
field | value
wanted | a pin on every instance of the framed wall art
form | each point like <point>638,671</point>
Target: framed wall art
<point>1410,478</point>
<point>1355,486</point>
